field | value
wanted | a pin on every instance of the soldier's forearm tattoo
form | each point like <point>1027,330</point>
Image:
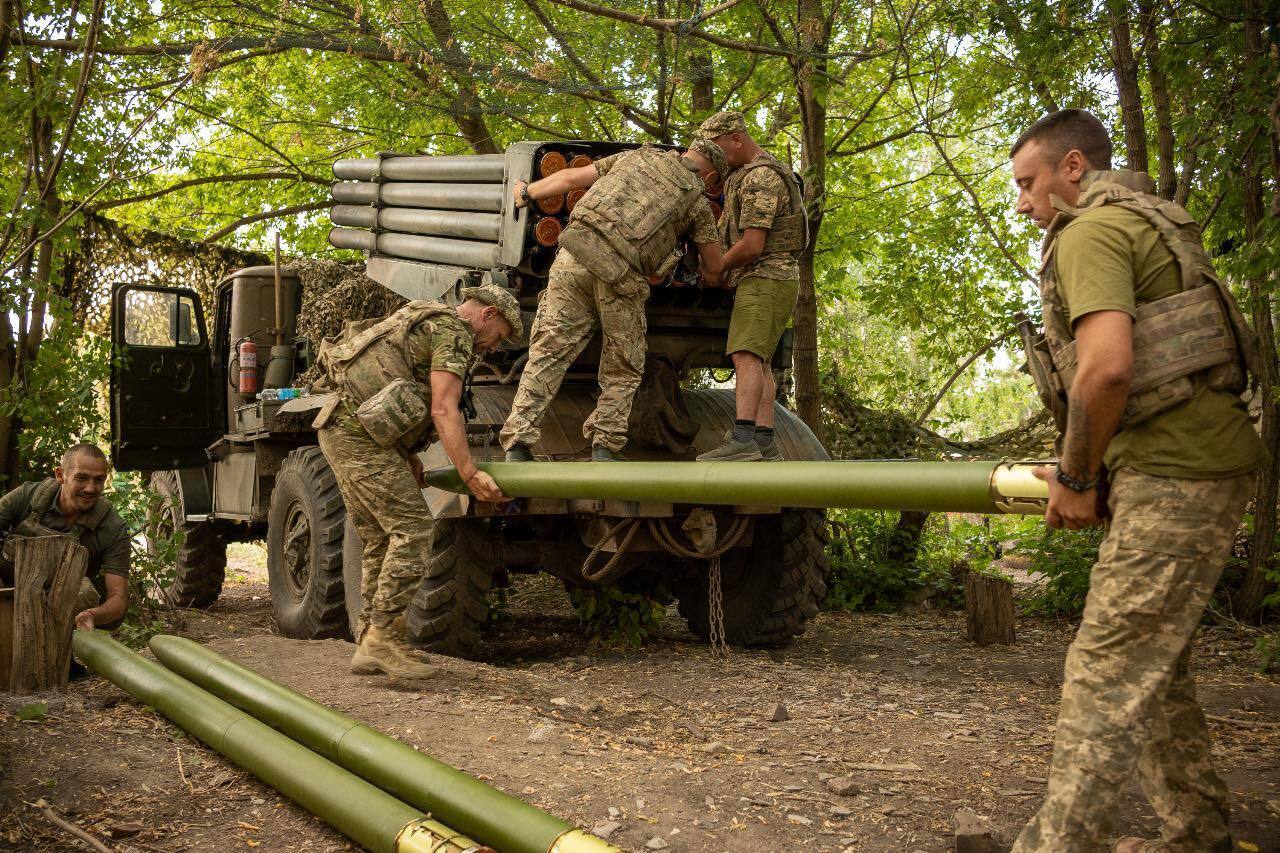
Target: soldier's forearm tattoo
<point>1077,445</point>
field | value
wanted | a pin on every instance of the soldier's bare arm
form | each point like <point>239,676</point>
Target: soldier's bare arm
<point>561,182</point>
<point>111,609</point>
<point>446,392</point>
<point>712,263</point>
<point>1104,345</point>
<point>746,250</point>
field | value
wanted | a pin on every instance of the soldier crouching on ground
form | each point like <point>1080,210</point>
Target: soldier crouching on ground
<point>1142,363</point>
<point>764,230</point>
<point>398,381</point>
<point>620,233</point>
<point>71,504</point>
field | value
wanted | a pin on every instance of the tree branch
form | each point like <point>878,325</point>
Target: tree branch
<point>946,386</point>
<point>211,179</point>
<point>259,217</point>
<point>672,25</point>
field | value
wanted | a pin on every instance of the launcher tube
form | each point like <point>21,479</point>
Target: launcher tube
<point>440,223</point>
<point>502,821</point>
<point>978,487</point>
<point>441,250</point>
<point>372,818</point>
<point>482,197</point>
<point>467,167</point>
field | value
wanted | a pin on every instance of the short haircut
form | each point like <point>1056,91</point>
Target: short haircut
<point>83,449</point>
<point>1066,130</point>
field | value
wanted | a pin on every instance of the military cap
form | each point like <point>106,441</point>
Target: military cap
<point>712,152</point>
<point>491,294</point>
<point>721,123</point>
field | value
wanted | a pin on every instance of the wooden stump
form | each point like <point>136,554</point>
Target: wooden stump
<point>47,575</point>
<point>988,604</point>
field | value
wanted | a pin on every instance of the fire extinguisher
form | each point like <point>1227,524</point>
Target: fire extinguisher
<point>247,355</point>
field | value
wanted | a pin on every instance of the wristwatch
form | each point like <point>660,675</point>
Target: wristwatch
<point>524,195</point>
<point>1073,484</point>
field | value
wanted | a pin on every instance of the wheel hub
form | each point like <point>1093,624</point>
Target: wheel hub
<point>296,556</point>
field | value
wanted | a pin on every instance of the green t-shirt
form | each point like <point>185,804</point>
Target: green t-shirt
<point>1111,259</point>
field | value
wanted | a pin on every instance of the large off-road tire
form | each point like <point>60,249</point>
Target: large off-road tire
<point>304,548</point>
<point>448,613</point>
<point>771,588</point>
<point>202,556</point>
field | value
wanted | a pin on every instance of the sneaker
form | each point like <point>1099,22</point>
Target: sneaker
<point>733,451</point>
<point>600,453</point>
<point>772,453</point>
<point>519,453</point>
<point>378,652</point>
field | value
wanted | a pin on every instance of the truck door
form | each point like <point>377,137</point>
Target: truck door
<point>161,405</point>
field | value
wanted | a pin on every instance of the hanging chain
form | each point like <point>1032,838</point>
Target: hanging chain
<point>715,598</point>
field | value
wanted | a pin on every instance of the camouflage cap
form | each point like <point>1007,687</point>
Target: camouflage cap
<point>491,294</point>
<point>712,152</point>
<point>721,123</point>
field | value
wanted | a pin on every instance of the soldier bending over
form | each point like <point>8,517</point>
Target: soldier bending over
<point>399,384</point>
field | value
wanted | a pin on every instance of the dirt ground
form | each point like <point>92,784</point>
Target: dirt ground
<point>893,723</point>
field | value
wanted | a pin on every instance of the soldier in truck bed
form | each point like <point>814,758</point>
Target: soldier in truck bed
<point>764,230</point>
<point>398,381</point>
<point>620,233</point>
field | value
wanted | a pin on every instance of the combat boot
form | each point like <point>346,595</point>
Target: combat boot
<point>733,451</point>
<point>378,652</point>
<point>519,453</point>
<point>600,453</point>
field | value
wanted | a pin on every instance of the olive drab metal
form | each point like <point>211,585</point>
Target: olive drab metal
<point>364,364</point>
<point>631,219</point>
<point>789,233</point>
<point>1181,343</point>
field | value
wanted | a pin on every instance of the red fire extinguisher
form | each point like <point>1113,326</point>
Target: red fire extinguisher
<point>247,355</point>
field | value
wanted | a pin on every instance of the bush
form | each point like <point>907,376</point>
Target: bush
<point>154,561</point>
<point>617,616</point>
<point>1062,559</point>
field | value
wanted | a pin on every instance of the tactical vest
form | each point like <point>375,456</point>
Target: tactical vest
<point>1181,342</point>
<point>631,219</point>
<point>788,233</point>
<point>374,364</point>
<point>43,498</point>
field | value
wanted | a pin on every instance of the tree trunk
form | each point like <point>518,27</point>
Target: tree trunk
<point>1257,583</point>
<point>904,544</point>
<point>988,605</point>
<point>1168,179</point>
<point>1126,73</point>
<point>47,575</point>
<point>811,91</point>
<point>466,111</point>
<point>702,79</point>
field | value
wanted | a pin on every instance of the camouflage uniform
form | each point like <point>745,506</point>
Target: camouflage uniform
<point>380,493</point>
<point>605,291</point>
<point>1128,699</point>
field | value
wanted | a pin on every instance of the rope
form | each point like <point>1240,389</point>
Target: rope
<point>610,569</point>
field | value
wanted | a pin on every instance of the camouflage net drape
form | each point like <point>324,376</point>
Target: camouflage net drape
<point>110,254</point>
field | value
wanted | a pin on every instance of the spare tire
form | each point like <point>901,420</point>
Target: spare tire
<point>201,564</point>
<point>304,548</point>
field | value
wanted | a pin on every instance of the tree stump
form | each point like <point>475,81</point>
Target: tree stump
<point>47,575</point>
<point>988,605</point>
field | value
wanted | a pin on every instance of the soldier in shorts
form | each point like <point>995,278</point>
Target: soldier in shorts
<point>398,384</point>
<point>1142,363</point>
<point>764,230</point>
<point>620,233</point>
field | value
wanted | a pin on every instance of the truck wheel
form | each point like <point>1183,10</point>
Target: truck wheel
<point>770,588</point>
<point>202,556</point>
<point>451,607</point>
<point>304,548</point>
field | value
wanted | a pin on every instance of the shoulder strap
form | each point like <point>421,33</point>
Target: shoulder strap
<point>43,497</point>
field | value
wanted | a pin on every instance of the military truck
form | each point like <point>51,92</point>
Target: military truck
<point>232,466</point>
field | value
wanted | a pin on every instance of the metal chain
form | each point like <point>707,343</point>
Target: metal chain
<point>715,597</point>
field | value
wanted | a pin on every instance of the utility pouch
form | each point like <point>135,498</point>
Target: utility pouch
<point>394,412</point>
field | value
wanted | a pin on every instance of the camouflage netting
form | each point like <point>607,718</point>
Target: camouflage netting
<point>110,254</point>
<point>335,293</point>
